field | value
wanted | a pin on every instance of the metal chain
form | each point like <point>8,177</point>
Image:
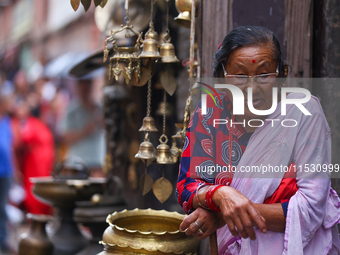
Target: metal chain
<point>167,16</point>
<point>164,115</point>
<point>127,18</point>
<point>148,109</point>
<point>152,3</point>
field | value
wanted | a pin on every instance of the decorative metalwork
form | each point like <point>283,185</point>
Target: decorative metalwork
<point>129,55</point>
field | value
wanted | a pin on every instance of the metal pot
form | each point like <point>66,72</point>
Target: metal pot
<point>147,232</point>
<point>36,241</point>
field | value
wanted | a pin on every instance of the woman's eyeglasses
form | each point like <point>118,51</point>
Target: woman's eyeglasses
<point>240,80</point>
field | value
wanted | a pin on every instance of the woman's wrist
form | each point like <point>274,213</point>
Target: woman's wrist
<point>219,195</point>
<point>209,197</point>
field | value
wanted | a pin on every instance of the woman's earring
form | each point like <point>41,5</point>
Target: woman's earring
<point>224,72</point>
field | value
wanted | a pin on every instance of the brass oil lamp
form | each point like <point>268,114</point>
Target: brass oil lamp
<point>63,193</point>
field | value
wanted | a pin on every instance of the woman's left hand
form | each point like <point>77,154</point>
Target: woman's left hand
<point>202,223</point>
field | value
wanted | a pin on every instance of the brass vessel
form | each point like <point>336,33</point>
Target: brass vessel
<point>36,241</point>
<point>147,232</point>
<point>63,194</point>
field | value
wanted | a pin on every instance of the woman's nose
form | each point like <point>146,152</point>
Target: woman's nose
<point>251,83</point>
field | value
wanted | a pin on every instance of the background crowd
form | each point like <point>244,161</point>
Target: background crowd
<point>43,121</point>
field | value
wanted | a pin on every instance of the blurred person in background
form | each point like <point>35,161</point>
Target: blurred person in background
<point>6,169</point>
<point>81,129</point>
<point>22,91</point>
<point>34,146</point>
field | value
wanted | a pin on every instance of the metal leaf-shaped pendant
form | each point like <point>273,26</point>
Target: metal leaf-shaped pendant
<point>168,82</point>
<point>97,2</point>
<point>75,4</point>
<point>103,3</point>
<point>142,79</point>
<point>162,189</point>
<point>86,4</point>
<point>145,183</point>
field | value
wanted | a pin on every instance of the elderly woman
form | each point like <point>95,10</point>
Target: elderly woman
<point>254,215</point>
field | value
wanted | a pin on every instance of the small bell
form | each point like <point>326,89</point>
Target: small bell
<point>150,44</point>
<point>150,49</point>
<point>168,50</point>
<point>184,8</point>
<point>168,53</point>
<point>148,125</point>
<point>151,33</point>
<point>146,150</point>
<point>183,19</point>
<point>163,152</point>
<point>175,151</point>
<point>168,109</point>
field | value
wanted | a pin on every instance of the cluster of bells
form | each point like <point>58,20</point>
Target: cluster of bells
<point>132,72</point>
<point>163,154</point>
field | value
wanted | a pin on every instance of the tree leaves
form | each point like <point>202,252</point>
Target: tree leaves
<point>75,4</point>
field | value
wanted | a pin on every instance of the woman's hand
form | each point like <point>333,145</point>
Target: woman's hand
<point>207,220</point>
<point>239,212</point>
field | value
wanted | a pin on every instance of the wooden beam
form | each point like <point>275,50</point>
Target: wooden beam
<point>216,23</point>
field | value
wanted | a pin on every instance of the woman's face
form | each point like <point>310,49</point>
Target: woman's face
<point>253,60</point>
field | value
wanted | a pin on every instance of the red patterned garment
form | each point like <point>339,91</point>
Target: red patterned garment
<point>207,147</point>
<point>205,157</point>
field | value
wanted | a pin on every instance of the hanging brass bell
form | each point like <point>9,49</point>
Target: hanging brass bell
<point>184,9</point>
<point>183,19</point>
<point>163,152</point>
<point>148,125</point>
<point>168,109</point>
<point>150,49</point>
<point>146,150</point>
<point>175,151</point>
<point>150,44</point>
<point>168,53</point>
<point>151,33</point>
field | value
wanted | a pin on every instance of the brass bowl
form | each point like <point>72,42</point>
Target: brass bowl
<point>64,193</point>
<point>147,232</point>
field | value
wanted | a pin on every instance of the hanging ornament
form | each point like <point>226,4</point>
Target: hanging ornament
<point>162,188</point>
<point>163,150</point>
<point>184,8</point>
<point>150,43</point>
<point>167,48</point>
<point>87,3</point>
<point>148,121</point>
<point>127,55</point>
<point>145,183</point>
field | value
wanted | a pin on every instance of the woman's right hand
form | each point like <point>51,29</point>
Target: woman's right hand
<point>238,212</point>
<point>208,221</point>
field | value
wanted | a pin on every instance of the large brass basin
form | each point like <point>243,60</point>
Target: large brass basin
<point>64,193</point>
<point>147,232</point>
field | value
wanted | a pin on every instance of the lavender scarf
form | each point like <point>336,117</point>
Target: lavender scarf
<point>313,211</point>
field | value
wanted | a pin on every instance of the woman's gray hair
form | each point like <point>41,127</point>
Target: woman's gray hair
<point>247,36</point>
